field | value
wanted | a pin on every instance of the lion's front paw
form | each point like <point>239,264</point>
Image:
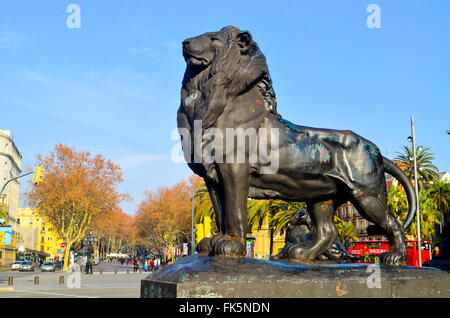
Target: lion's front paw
<point>300,253</point>
<point>204,247</point>
<point>394,256</point>
<point>230,245</point>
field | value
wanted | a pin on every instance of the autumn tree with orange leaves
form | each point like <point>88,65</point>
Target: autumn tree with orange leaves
<point>78,189</point>
<point>164,216</point>
<point>115,233</point>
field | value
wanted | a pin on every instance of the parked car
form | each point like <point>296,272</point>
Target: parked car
<point>48,267</point>
<point>26,267</point>
<point>16,265</point>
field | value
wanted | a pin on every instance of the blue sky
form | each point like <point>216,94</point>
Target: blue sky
<point>113,86</point>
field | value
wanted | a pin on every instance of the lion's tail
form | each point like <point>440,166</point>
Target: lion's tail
<point>392,169</point>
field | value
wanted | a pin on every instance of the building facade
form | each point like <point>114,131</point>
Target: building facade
<point>261,241</point>
<point>10,168</point>
<point>38,236</point>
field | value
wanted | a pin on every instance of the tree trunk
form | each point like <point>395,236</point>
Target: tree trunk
<point>67,255</point>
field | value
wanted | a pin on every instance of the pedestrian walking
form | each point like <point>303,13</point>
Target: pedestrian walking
<point>145,265</point>
<point>135,265</point>
<point>89,266</point>
<point>152,264</point>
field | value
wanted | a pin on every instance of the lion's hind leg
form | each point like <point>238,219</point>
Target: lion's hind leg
<point>374,208</point>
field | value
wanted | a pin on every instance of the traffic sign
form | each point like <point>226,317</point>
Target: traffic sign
<point>63,244</point>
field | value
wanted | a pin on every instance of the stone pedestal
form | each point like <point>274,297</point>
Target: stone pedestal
<point>438,263</point>
<point>200,277</point>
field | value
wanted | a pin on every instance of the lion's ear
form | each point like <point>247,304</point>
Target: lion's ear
<point>244,40</point>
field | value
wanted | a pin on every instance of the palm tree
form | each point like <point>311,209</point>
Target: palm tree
<point>203,205</point>
<point>429,216</point>
<point>397,202</point>
<point>440,194</point>
<point>347,230</point>
<point>276,212</point>
<point>282,211</point>
<point>426,171</point>
<point>257,212</point>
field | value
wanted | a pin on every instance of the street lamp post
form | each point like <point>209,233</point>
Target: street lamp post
<point>416,187</point>
<point>88,243</point>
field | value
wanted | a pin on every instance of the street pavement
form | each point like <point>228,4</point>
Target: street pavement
<point>109,280</point>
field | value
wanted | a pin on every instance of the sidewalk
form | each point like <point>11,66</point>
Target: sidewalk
<point>120,285</point>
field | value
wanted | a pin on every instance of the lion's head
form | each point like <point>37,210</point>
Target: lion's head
<point>207,49</point>
<point>230,55</point>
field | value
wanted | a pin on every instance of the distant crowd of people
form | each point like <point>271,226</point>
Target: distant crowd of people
<point>147,265</point>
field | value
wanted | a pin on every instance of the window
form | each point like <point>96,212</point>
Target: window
<point>42,239</point>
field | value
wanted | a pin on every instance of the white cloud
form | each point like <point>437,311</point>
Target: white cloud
<point>31,76</point>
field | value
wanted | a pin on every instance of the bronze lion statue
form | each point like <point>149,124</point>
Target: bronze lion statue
<point>227,88</point>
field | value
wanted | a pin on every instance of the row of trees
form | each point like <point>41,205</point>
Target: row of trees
<point>163,218</point>
<point>79,192</point>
